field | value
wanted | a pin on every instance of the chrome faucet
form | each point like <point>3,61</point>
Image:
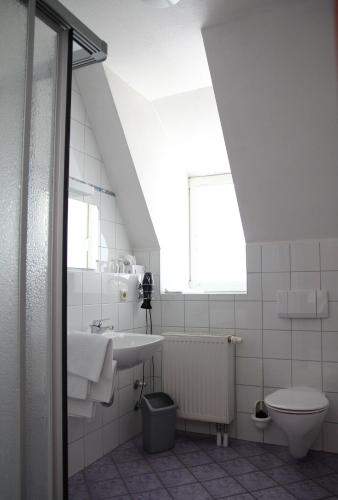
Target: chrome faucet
<point>96,326</point>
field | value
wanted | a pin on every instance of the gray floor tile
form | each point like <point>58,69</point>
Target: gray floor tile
<point>208,471</point>
<point>285,474</point>
<point>223,454</point>
<point>247,449</point>
<point>100,471</point>
<point>125,454</point>
<point>176,477</point>
<point>307,490</point>
<point>195,458</point>
<point>193,491</point>
<point>164,463</point>
<point>278,493</point>
<point>330,483</point>
<point>144,482</point>
<point>185,447</point>
<point>78,491</point>
<point>238,466</point>
<point>243,496</point>
<point>223,487</point>
<point>107,489</point>
<point>134,468</point>
<point>312,469</point>
<point>254,481</point>
<point>265,461</point>
<point>158,494</point>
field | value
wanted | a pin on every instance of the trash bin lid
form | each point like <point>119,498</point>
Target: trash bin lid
<point>159,400</point>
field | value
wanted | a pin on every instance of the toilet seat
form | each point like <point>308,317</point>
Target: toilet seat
<point>297,400</point>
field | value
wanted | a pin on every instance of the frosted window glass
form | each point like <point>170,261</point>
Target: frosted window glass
<point>38,317</point>
<point>13,33</point>
<point>217,244</point>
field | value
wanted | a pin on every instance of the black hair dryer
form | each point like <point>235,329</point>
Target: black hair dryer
<point>147,286</point>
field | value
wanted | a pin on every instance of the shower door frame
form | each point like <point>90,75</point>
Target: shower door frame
<point>69,29</point>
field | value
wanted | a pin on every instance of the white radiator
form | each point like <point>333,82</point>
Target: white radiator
<point>198,373</point>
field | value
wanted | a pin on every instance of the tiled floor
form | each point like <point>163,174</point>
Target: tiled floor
<point>197,470</point>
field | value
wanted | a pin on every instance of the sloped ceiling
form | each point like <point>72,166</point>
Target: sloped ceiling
<point>111,140</point>
<point>274,78</point>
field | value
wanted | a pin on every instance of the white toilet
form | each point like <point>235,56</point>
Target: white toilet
<point>300,413</point>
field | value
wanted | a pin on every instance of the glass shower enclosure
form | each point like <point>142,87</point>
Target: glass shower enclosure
<point>36,40</point>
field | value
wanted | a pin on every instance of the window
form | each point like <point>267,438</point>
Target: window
<point>217,244</point>
<point>83,225</point>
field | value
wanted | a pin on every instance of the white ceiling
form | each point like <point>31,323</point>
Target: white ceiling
<point>159,52</point>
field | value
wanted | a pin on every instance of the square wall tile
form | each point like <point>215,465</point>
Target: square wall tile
<point>330,346</point>
<point>254,288</point>
<point>122,240</point>
<point>276,257</point>
<point>110,288</point>
<point>76,461</point>
<point>74,318</point>
<point>332,413</point>
<point>330,377</point>
<point>305,255</point>
<point>78,111</point>
<point>305,280</point>
<point>271,320</point>
<point>110,437</point>
<point>274,435</point>
<point>222,314</point>
<point>329,255</point>
<point>91,148</point>
<point>93,446</point>
<point>277,372</point>
<point>110,315</point>
<point>253,258</point>
<point>277,344</point>
<point>74,288</point>
<point>306,325</point>
<point>76,164</point>
<point>91,288</point>
<point>330,324</point>
<point>77,135</point>
<point>93,168</point>
<point>329,282</point>
<point>156,313</point>
<point>308,373</point>
<point>125,316</point>
<point>90,313</point>
<point>173,313</point>
<point>272,282</point>
<point>246,428</point>
<point>155,261</point>
<point>248,315</point>
<point>307,346</point>
<point>107,234</point>
<point>108,207</point>
<point>142,259</point>
<point>249,371</point>
<point>330,437</point>
<point>246,397</point>
<point>252,343</point>
<point>196,313</point>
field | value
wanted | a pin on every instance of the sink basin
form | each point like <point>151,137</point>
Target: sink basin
<point>130,349</point>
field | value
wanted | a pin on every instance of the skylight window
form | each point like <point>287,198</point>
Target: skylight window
<point>217,244</point>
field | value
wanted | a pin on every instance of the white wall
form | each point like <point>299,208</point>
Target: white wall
<point>95,295</point>
<point>161,174</point>
<point>276,352</point>
<point>275,82</point>
<point>192,122</point>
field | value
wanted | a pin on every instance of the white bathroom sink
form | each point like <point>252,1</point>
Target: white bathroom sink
<point>130,349</point>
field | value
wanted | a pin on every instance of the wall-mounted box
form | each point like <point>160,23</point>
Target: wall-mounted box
<point>302,303</point>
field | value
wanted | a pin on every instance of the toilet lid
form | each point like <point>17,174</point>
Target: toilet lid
<point>297,399</point>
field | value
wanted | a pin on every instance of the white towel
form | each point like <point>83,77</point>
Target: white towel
<point>81,408</point>
<point>103,390</point>
<point>86,354</point>
<point>77,387</point>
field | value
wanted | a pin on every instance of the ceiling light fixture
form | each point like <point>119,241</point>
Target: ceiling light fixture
<point>161,4</point>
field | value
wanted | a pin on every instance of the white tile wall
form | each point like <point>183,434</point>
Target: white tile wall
<point>96,295</point>
<point>276,352</point>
